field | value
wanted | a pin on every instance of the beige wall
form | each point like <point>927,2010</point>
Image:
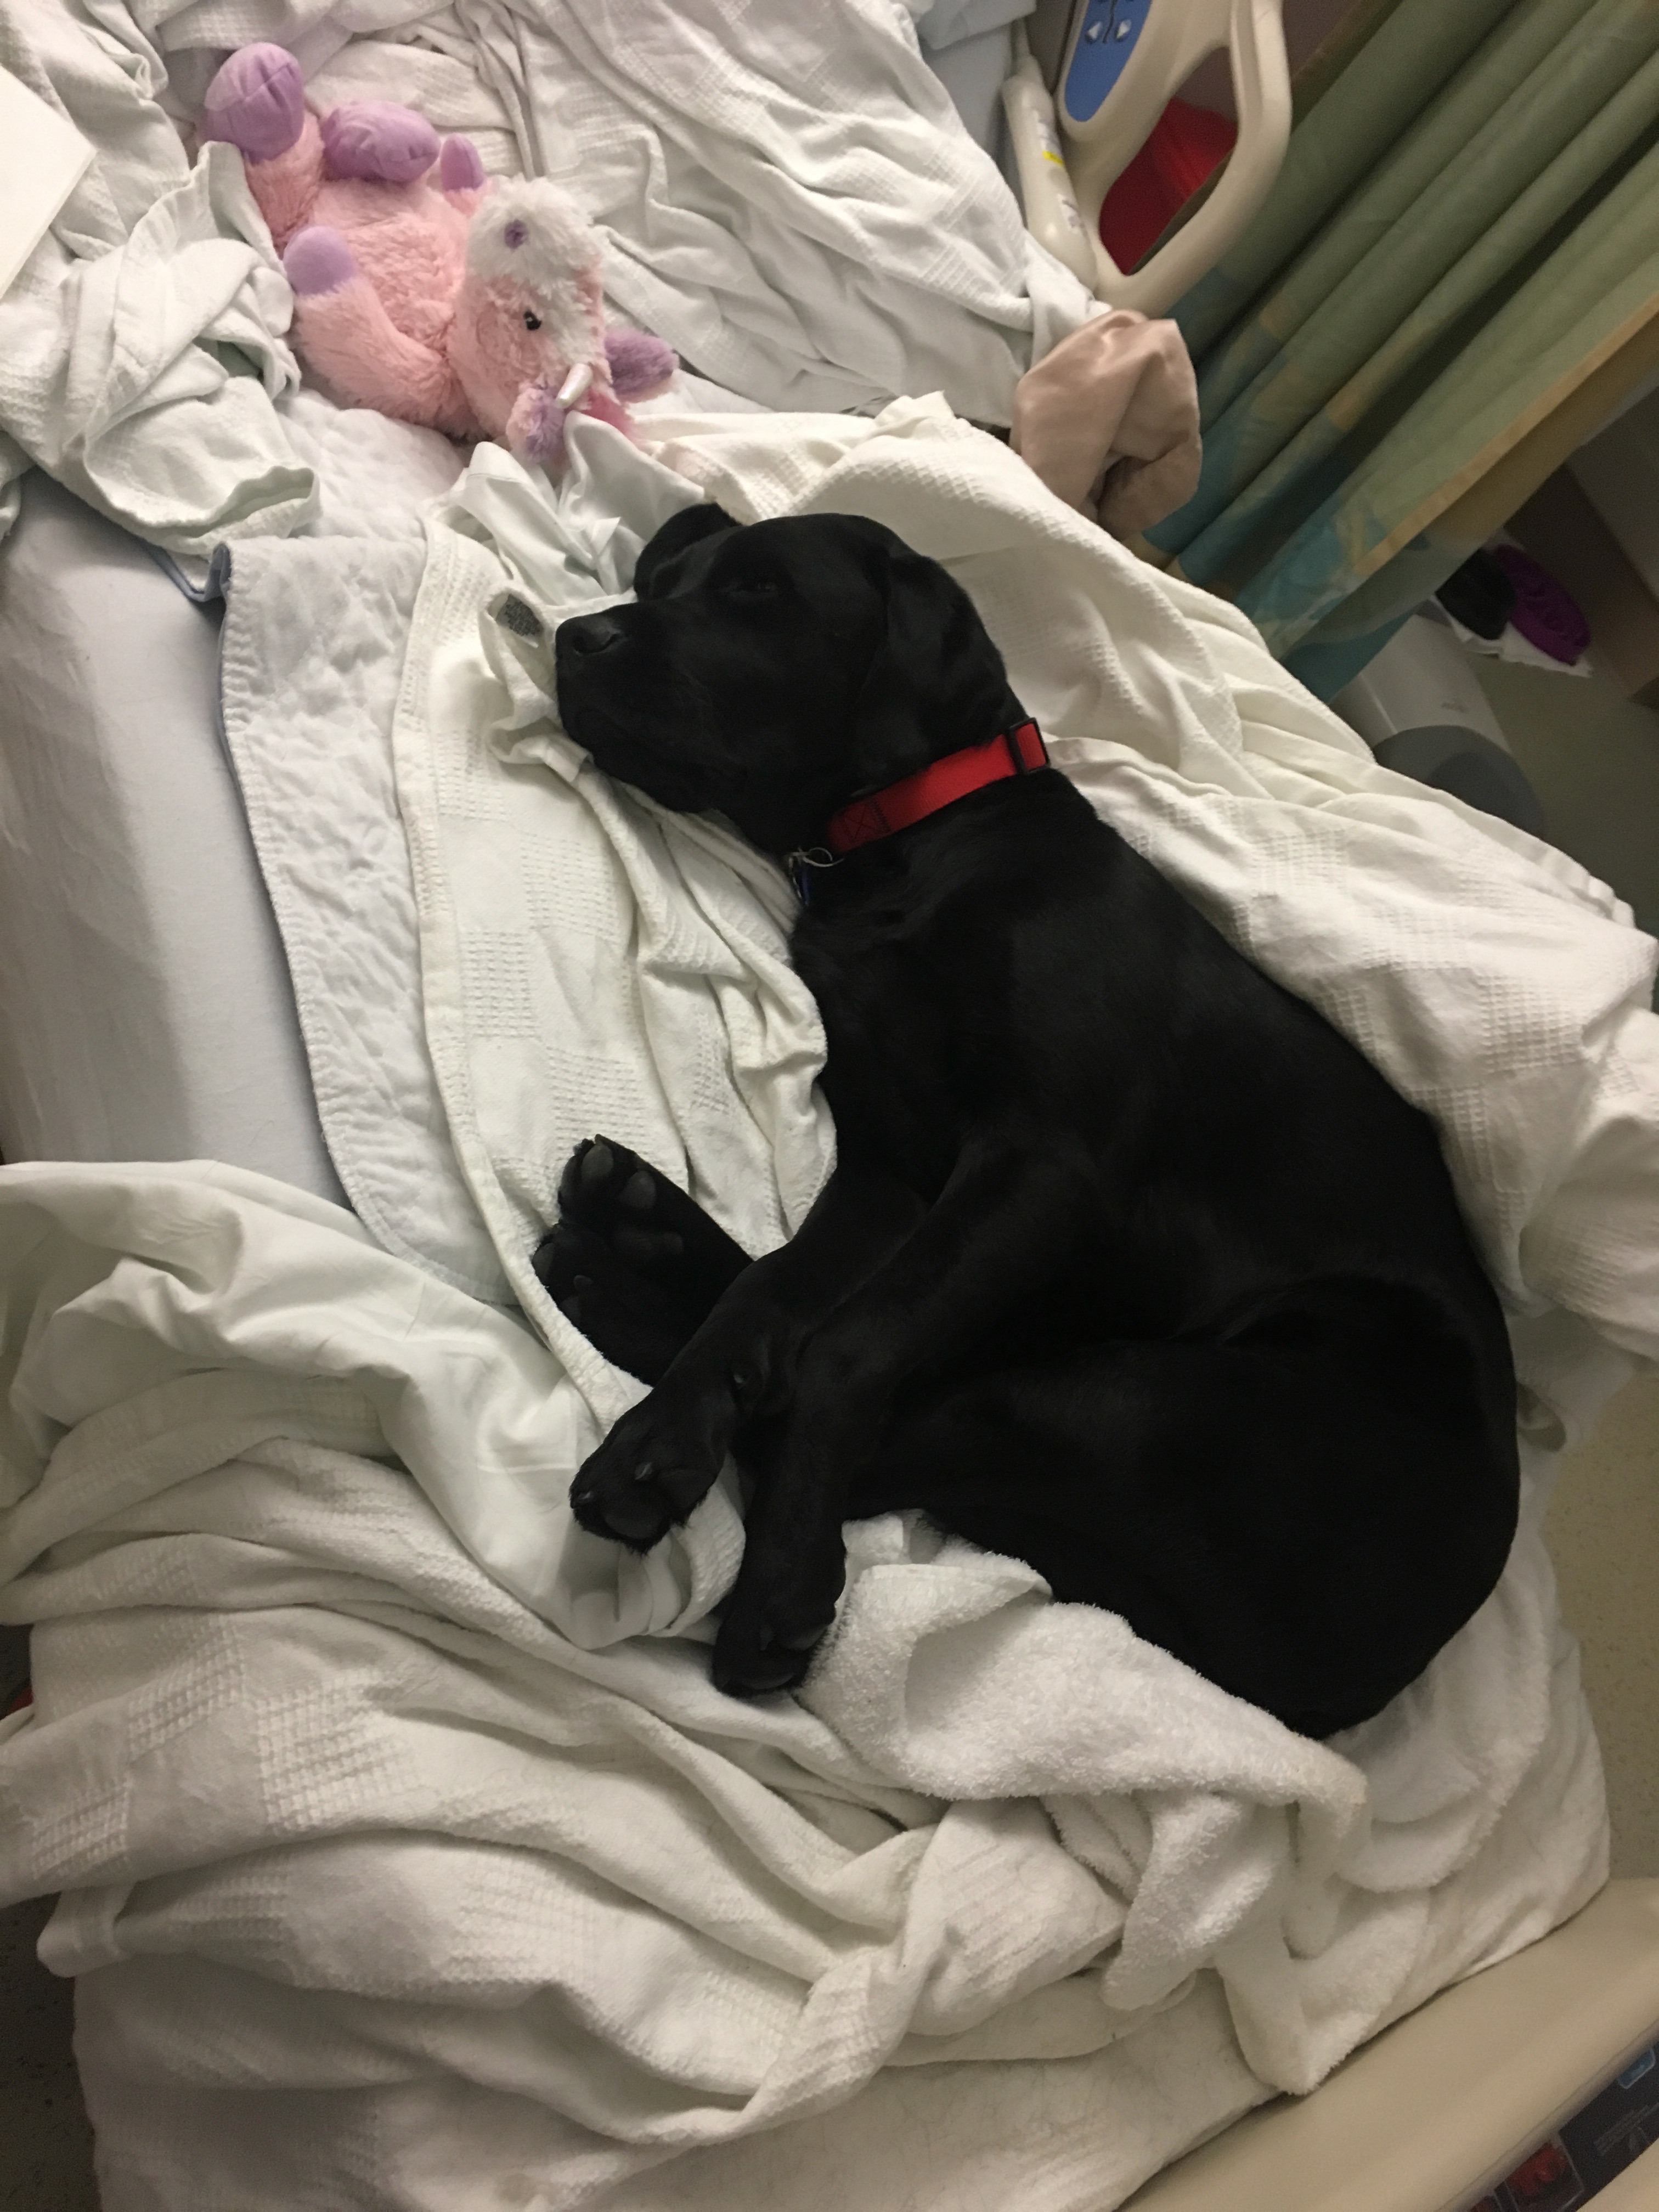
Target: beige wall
<point>1603,1531</point>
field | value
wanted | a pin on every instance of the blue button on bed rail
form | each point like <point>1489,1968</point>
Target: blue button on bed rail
<point>1110,31</point>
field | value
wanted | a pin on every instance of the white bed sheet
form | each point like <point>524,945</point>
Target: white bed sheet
<point>145,1007</point>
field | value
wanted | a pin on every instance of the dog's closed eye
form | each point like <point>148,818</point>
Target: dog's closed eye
<point>750,587</point>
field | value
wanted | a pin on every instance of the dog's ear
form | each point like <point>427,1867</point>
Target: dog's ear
<point>678,535</point>
<point>936,681</point>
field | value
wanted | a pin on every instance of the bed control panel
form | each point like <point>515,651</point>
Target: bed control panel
<point>1589,2151</point>
<point>1106,38</point>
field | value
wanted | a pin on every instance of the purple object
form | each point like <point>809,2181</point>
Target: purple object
<point>536,429</point>
<point>459,169</point>
<point>257,102</point>
<point>318,260</point>
<point>378,142</point>
<point>639,362</point>
<point>1545,613</point>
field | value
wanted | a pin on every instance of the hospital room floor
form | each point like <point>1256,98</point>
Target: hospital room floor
<point>1593,760</point>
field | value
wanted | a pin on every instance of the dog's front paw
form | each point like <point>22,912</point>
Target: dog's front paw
<point>784,1600</point>
<point>648,1474</point>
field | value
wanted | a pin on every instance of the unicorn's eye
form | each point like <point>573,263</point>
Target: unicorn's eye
<point>532,322</point>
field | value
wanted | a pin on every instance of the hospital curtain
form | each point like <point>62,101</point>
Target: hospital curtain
<point>1454,281</point>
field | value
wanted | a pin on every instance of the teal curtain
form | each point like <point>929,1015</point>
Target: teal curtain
<point>1463,245</point>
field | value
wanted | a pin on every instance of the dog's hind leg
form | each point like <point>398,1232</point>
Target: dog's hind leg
<point>633,1261</point>
<point>1305,1526</point>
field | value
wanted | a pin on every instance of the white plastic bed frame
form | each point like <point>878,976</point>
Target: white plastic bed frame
<point>1443,2105</point>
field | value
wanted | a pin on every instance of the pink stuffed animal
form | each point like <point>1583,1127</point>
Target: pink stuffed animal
<point>419,287</point>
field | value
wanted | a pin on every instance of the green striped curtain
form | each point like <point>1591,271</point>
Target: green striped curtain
<point>1458,264</point>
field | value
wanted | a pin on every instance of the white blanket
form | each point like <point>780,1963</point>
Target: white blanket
<point>481,1854</point>
<point>460,1887</point>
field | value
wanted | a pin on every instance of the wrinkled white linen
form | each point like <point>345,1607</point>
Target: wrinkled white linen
<point>438,1804</point>
<point>145,340</point>
<point>787,196</point>
<point>333,1808</point>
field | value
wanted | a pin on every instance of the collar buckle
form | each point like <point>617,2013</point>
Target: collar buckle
<point>1016,739</point>
<point>801,864</point>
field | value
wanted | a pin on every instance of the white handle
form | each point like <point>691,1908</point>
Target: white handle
<point>1100,149</point>
<point>1052,214</point>
<point>1262,92</point>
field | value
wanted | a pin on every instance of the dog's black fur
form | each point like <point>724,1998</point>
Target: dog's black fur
<point>1130,1266</point>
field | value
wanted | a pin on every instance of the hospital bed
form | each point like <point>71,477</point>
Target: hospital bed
<point>149,1014</point>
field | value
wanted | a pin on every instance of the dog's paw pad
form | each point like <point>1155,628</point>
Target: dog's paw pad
<point>596,1166</point>
<point>638,1522</point>
<point>647,1250</point>
<point>602,1181</point>
<point>637,1505</point>
<point>632,1321</point>
<point>648,1223</point>
<point>644,1478</point>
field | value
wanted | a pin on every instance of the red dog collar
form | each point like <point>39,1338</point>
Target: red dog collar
<point>1011,752</point>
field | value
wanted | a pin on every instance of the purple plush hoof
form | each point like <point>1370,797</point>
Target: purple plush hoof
<point>639,362</point>
<point>459,169</point>
<point>382,143</point>
<point>318,260</point>
<point>535,430</point>
<point>256,101</point>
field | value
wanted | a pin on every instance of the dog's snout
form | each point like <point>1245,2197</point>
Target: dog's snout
<point>590,634</point>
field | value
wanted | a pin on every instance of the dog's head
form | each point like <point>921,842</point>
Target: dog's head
<point>773,672</point>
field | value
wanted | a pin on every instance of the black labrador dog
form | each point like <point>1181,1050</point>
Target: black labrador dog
<point>1130,1265</point>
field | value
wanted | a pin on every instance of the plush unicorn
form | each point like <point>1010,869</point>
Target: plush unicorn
<point>420,288</point>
